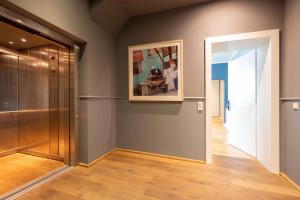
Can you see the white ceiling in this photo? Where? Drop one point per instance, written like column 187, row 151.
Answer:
column 113, row 14
column 223, row 57
column 224, row 52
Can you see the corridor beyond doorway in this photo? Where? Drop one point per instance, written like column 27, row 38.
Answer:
column 220, row 141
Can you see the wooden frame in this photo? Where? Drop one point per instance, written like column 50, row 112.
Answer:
column 274, row 36
column 145, row 88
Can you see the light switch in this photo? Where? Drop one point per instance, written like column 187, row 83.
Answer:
column 200, row 105
column 296, row 106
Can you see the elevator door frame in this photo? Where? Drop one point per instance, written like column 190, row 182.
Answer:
column 11, row 14
column 62, row 106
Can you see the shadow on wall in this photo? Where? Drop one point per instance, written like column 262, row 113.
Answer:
column 155, row 108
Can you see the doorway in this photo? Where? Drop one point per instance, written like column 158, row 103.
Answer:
column 250, row 126
column 34, row 108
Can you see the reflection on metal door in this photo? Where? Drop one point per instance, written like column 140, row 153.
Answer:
column 34, row 101
column 74, row 105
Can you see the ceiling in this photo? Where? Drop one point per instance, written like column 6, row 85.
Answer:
column 223, row 57
column 223, row 52
column 10, row 33
column 113, row 14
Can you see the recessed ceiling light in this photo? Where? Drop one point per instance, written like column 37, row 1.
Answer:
column 23, row 39
column 10, row 42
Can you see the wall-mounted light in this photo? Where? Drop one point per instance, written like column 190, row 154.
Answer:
column 23, row 40
column 20, row 21
column 10, row 42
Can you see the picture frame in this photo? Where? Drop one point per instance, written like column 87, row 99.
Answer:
column 155, row 71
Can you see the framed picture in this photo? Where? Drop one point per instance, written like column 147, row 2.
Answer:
column 156, row 71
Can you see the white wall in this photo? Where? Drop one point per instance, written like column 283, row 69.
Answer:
column 222, row 99
column 241, row 119
column 215, row 86
column 264, row 128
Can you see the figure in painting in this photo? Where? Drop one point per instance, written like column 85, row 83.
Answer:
column 171, row 75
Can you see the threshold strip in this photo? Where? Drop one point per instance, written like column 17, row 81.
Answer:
column 21, row 190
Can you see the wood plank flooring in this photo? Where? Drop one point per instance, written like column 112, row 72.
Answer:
column 125, row 175
column 220, row 141
column 18, row 169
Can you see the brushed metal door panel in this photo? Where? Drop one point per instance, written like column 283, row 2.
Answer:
column 64, row 87
column 8, row 102
column 35, row 102
column 53, row 100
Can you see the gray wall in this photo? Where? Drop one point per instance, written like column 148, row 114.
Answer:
column 168, row 128
column 290, row 144
column 97, row 136
column 178, row 129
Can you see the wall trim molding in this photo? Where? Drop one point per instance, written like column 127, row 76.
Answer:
column 161, row 155
column 97, row 160
column 290, row 180
column 87, row 97
column 120, row 97
column 290, row 99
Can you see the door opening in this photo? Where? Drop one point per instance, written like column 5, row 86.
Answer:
column 248, row 64
column 34, row 107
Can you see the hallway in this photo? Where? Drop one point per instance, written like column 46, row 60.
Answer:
column 220, row 141
column 125, row 175
column 157, row 100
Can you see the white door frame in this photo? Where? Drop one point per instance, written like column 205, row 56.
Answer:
column 274, row 36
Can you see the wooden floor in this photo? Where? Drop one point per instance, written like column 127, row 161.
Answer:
column 220, row 141
column 124, row 175
column 18, row 169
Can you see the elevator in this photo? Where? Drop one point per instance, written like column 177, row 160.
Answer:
column 35, row 101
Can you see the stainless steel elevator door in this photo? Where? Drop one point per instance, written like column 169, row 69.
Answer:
column 35, row 102
column 64, row 102
column 8, row 102
column 44, row 101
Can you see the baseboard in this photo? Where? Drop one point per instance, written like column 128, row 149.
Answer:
column 98, row 159
column 291, row 181
column 161, row 155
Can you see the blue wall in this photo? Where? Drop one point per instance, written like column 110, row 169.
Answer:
column 220, row 72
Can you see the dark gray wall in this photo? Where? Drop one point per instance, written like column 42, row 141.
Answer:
column 96, row 70
column 290, row 141
column 290, row 144
column 291, row 49
column 168, row 128
column 178, row 129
